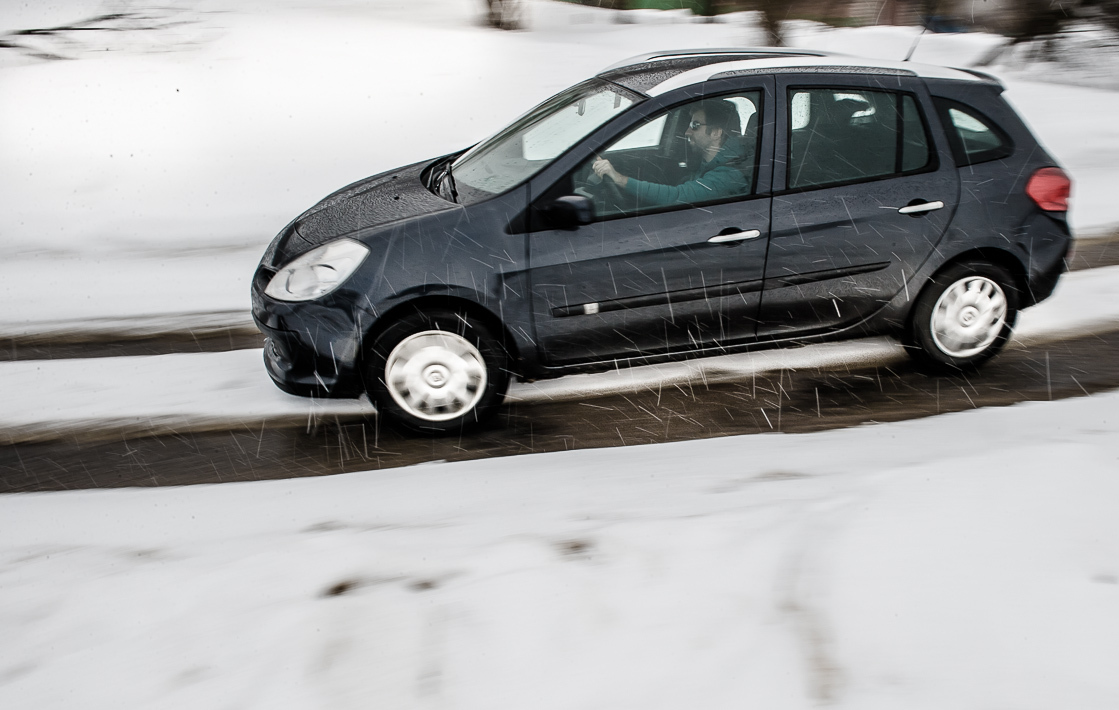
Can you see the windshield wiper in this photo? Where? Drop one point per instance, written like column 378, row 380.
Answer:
column 445, row 184
column 451, row 179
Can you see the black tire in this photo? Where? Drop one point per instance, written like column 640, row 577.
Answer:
column 437, row 372
column 963, row 317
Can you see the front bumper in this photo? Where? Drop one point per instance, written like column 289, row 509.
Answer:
column 305, row 374
column 312, row 349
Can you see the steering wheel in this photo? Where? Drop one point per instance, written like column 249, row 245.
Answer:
column 604, row 191
column 620, row 198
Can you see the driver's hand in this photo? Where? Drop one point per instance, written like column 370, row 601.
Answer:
column 603, row 168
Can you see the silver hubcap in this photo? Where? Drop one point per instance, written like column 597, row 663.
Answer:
column 435, row 375
column 968, row 316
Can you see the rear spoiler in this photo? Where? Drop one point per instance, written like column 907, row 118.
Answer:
column 989, row 78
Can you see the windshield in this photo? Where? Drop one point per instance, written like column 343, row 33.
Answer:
column 540, row 136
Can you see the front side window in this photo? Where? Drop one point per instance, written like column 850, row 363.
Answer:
column 536, row 139
column 698, row 153
column 848, row 135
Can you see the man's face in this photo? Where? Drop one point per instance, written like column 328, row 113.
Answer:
column 699, row 133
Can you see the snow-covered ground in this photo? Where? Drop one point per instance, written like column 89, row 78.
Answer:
column 965, row 560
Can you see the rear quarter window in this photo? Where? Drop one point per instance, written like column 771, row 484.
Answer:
column 975, row 138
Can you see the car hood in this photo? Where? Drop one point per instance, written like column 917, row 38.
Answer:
column 374, row 202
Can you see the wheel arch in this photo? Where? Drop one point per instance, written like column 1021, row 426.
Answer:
column 994, row 255
column 447, row 302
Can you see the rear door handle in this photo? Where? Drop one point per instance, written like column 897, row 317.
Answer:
column 736, row 236
column 922, row 207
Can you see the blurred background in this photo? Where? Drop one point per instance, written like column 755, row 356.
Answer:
column 1020, row 20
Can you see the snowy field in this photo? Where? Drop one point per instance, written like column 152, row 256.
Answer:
column 964, row 560
column 143, row 180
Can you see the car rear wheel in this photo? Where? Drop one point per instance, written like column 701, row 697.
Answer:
column 964, row 317
column 437, row 372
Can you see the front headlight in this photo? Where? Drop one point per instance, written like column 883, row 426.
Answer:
column 318, row 272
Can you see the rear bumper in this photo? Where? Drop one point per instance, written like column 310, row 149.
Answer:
column 1046, row 241
column 1043, row 284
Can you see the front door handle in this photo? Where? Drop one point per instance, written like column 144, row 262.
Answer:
column 736, row 236
column 921, row 207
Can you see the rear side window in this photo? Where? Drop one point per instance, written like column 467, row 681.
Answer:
column 974, row 137
column 847, row 135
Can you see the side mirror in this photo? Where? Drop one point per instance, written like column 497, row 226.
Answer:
column 571, row 211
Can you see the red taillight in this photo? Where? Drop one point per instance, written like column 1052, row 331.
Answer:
column 1049, row 188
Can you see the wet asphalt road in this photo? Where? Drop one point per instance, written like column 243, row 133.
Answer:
column 801, row 401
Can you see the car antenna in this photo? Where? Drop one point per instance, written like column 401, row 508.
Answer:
column 913, row 47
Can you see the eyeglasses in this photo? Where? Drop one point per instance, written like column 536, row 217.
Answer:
column 694, row 125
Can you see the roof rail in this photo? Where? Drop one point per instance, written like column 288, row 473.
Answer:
column 739, row 52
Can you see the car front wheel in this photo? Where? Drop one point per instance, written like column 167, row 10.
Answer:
column 964, row 317
column 437, row 372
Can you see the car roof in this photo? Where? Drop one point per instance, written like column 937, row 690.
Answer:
column 656, row 73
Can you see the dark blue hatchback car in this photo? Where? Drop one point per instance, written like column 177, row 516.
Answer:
column 676, row 205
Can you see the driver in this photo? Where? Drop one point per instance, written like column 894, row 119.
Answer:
column 713, row 131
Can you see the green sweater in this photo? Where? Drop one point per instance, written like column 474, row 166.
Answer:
column 723, row 176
